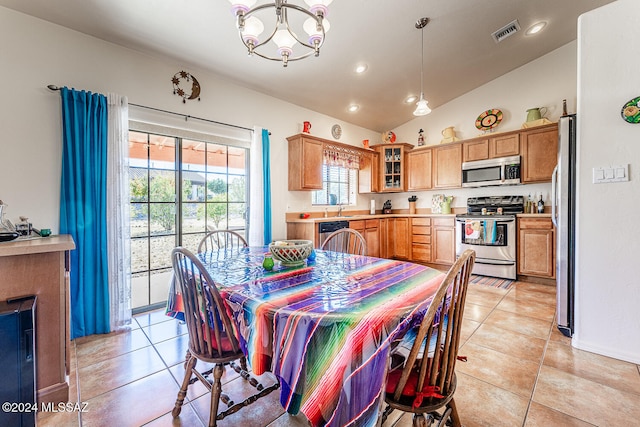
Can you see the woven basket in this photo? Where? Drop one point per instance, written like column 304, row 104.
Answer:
column 291, row 252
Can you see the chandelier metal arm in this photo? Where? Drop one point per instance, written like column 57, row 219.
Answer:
column 281, row 12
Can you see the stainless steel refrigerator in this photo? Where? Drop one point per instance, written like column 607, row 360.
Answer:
column 563, row 212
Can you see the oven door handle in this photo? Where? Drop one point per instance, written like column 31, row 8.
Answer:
column 499, row 221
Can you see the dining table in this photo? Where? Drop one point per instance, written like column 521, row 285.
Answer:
column 325, row 328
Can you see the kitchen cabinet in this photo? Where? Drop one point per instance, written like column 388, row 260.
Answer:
column 305, row 162
column 419, row 169
column 421, row 239
column 392, row 166
column 447, row 166
column 370, row 230
column 503, row 145
column 444, row 240
column 536, row 247
column 398, row 238
column 369, row 173
column 539, row 147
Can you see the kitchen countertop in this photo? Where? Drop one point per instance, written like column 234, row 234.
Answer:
column 363, row 217
column 535, row 215
column 57, row 243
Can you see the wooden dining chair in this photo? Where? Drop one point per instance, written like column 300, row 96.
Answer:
column 346, row 240
column 426, row 381
column 213, row 337
column 221, row 239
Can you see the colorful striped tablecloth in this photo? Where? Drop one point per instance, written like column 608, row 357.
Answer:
column 324, row 329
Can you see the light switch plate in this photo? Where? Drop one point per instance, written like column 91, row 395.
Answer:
column 619, row 173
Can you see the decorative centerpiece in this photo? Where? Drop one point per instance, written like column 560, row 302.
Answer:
column 291, row 253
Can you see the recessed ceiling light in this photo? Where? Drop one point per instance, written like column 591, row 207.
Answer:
column 411, row 99
column 535, row 28
column 354, row 107
column 361, row 68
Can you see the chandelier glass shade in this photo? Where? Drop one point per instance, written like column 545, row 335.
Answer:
column 422, row 109
column 287, row 20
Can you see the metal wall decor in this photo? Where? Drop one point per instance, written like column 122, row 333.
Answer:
column 186, row 86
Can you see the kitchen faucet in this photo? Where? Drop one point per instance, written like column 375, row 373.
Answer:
column 340, row 207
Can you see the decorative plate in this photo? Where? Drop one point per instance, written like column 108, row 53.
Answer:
column 336, row 131
column 388, row 137
column 489, row 119
column 631, row 111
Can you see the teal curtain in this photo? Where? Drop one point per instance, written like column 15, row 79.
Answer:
column 83, row 207
column 266, row 180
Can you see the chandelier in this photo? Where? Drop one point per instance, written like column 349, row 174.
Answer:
column 290, row 46
column 422, row 109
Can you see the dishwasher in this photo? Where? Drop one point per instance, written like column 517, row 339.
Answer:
column 326, row 228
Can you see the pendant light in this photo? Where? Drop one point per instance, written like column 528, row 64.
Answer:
column 422, row 109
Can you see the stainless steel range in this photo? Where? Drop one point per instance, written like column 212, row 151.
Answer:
column 489, row 228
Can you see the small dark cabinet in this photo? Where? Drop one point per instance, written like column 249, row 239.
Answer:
column 17, row 358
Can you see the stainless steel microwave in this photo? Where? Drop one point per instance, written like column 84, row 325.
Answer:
column 500, row 171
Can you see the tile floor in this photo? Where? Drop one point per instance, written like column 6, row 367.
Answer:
column 520, row 372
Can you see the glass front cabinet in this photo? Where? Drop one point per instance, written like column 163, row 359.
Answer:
column 393, row 166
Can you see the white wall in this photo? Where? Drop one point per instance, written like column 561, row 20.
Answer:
column 36, row 53
column 545, row 81
column 608, row 284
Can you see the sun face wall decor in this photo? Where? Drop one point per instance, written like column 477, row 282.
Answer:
column 186, row 86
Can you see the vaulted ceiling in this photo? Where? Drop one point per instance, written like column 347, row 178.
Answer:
column 460, row 53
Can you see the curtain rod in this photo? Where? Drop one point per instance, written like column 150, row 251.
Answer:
column 186, row 116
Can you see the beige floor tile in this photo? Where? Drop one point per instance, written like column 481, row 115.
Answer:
column 58, row 419
column 586, row 400
column 112, row 373
column 509, row 342
column 485, row 295
column 163, row 331
column 134, row 404
column 511, row 373
column 476, row 312
column 468, row 329
column 541, row 416
column 483, row 404
column 97, row 348
column 535, row 287
column 558, row 337
column 288, row 420
column 601, row 369
column 519, row 323
column 187, row 418
column 528, row 306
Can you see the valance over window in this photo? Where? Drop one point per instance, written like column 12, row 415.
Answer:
column 341, row 156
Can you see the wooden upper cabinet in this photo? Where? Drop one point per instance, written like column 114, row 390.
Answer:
column 498, row 146
column 475, row 150
column 539, row 148
column 419, row 169
column 305, row 163
column 447, row 166
column 504, row 146
column 369, row 174
column 392, row 166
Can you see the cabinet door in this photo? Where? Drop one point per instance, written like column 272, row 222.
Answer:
column 536, row 247
column 305, row 163
column 444, row 242
column 398, row 238
column 504, row 146
column 475, row 150
column 419, row 170
column 447, row 166
column 372, row 237
column 369, row 173
column 539, row 154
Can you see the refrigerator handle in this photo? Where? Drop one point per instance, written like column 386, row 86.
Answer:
column 554, row 183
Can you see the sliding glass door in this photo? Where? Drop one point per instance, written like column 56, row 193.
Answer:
column 180, row 189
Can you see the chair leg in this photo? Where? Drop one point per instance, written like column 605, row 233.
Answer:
column 189, row 364
column 455, row 418
column 216, row 390
column 419, row 420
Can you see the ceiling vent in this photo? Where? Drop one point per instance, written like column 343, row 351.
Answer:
column 508, row 30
